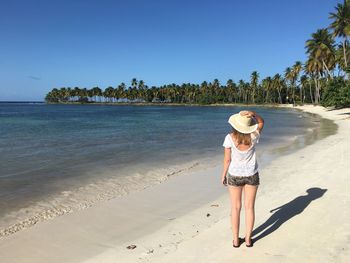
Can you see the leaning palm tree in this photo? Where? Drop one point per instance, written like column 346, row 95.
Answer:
column 342, row 50
column 341, row 24
column 321, row 47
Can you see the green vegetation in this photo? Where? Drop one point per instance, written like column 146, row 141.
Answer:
column 337, row 93
column 322, row 79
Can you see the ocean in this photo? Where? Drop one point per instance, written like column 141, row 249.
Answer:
column 55, row 159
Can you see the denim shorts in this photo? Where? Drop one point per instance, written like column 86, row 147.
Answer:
column 242, row 180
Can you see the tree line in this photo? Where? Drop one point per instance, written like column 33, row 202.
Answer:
column 322, row 79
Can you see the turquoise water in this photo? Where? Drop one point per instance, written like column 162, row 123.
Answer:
column 49, row 149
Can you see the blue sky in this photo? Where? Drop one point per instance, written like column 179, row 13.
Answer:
column 48, row 44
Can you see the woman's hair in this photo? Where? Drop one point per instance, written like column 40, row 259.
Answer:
column 242, row 138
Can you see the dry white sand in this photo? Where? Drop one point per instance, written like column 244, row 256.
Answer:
column 186, row 219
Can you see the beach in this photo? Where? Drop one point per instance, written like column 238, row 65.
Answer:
column 187, row 218
column 58, row 159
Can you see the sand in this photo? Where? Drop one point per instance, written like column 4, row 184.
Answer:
column 186, row 219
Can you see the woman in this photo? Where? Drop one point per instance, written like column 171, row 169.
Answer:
column 241, row 165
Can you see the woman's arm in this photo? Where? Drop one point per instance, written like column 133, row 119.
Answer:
column 227, row 161
column 260, row 121
column 258, row 118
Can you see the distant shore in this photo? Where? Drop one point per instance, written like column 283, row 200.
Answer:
column 276, row 105
column 272, row 105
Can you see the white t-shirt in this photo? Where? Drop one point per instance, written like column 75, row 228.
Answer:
column 243, row 163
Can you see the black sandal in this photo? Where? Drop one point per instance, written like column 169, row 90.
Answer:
column 251, row 243
column 239, row 243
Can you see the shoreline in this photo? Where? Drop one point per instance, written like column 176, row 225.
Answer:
column 268, row 105
column 174, row 244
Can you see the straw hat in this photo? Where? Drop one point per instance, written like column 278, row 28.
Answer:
column 243, row 124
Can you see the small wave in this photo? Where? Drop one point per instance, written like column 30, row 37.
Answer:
column 72, row 200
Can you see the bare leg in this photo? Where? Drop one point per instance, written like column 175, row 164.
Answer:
column 249, row 202
column 236, row 203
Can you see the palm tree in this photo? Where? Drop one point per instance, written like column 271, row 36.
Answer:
column 203, row 90
column 214, row 90
column 241, row 91
column 231, row 90
column 108, row 93
column 90, row 94
column 121, row 90
column 76, row 92
column 141, row 89
column 321, row 47
column 83, row 93
column 303, row 82
column 341, row 24
column 267, row 85
column 288, row 76
column 339, row 56
column 254, row 78
column 277, row 84
column 96, row 92
column 134, row 83
column 314, row 68
column 321, row 51
column 296, row 71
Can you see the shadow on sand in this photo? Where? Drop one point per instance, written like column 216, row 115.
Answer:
column 286, row 212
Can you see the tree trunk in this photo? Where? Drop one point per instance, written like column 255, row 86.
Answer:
column 253, row 95
column 279, row 95
column 328, row 72
column 344, row 53
column 315, row 91
column 312, row 100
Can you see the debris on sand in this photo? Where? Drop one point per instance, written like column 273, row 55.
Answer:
column 131, row 247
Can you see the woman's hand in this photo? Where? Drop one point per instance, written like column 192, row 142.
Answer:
column 250, row 114
column 224, row 180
